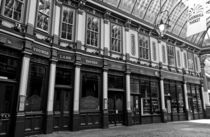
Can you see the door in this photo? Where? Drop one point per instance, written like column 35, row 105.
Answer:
column 115, row 107
column 168, row 108
column 6, row 108
column 62, row 107
column 135, row 108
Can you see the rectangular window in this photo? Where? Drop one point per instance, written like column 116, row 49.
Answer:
column 93, row 30
column 196, row 63
column 44, row 14
column 133, row 45
column 178, row 59
column 143, row 47
column 185, row 60
column 67, row 23
column 116, row 37
column 115, row 82
column 90, row 89
column 154, row 51
column 13, row 9
column 190, row 59
column 171, row 55
column 163, row 54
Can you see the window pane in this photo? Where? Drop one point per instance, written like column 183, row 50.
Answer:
column 115, row 82
column 92, row 37
column 133, row 45
column 13, row 9
column 143, row 47
column 67, row 23
column 116, row 38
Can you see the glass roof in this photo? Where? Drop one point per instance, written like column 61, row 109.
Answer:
column 148, row 11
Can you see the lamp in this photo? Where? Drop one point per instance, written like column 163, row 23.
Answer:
column 162, row 26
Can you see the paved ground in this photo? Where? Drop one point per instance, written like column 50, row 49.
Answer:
column 196, row 128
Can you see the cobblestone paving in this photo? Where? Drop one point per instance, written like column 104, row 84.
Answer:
column 197, row 128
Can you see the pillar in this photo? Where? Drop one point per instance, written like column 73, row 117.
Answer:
column 128, row 100
column 30, row 17
column 188, row 113
column 50, row 98
column 105, row 98
column 20, row 117
column 163, row 106
column 75, row 121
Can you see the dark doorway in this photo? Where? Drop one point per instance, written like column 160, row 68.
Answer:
column 115, row 107
column 62, row 107
column 6, row 108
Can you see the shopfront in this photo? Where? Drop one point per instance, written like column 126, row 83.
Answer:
column 10, row 64
column 116, row 98
column 195, row 101
column 63, row 96
column 174, row 100
column 145, row 100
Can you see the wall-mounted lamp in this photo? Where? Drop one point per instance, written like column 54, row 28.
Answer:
column 162, row 26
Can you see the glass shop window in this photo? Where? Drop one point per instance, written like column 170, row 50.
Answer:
column 144, row 51
column 135, row 86
column 116, row 38
column 90, row 93
column 194, row 99
column 63, row 77
column 155, row 97
column 200, row 108
column 93, row 31
column 174, row 105
column 44, row 14
column 180, row 98
column 115, row 82
column 13, row 9
column 171, row 55
column 146, row 96
column 8, row 67
column 36, row 87
column 67, row 28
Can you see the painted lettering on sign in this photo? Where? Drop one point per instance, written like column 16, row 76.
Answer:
column 65, row 57
column 91, row 62
column 41, row 51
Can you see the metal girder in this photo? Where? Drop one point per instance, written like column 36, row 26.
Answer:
column 179, row 17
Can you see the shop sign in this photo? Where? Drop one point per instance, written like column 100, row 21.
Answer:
column 40, row 51
column 90, row 61
column 65, row 56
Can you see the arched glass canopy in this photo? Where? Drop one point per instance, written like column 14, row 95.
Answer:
column 148, row 10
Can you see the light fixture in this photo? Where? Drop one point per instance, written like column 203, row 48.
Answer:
column 162, row 26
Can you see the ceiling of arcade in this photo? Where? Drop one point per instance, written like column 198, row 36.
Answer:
column 147, row 10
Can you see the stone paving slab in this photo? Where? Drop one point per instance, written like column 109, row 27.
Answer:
column 197, row 128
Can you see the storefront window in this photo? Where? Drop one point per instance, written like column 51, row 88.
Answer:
column 93, row 30
column 44, row 14
column 155, row 97
column 116, row 38
column 146, row 96
column 180, row 98
column 63, row 77
column 115, row 82
column 90, row 93
column 67, row 23
column 13, row 9
column 135, row 86
column 36, row 88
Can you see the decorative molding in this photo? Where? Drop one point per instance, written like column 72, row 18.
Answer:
column 107, row 16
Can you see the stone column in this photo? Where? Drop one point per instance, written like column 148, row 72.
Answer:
column 20, row 118
column 105, row 96
column 128, row 100
column 75, row 121
column 163, row 106
column 50, row 99
column 188, row 113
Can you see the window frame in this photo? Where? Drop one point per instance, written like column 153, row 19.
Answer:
column 22, row 11
column 121, row 38
column 170, row 55
column 133, row 45
column 73, row 26
column 144, row 48
column 50, row 18
column 99, row 30
column 164, row 54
